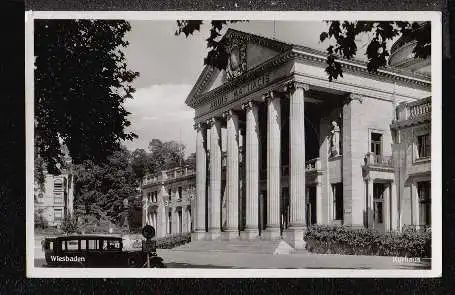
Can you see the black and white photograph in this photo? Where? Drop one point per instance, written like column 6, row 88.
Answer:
column 256, row 144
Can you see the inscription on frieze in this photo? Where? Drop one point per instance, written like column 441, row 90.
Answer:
column 244, row 89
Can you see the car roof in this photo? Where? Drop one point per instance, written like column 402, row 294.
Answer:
column 79, row 237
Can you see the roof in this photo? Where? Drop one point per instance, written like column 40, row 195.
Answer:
column 209, row 73
column 88, row 236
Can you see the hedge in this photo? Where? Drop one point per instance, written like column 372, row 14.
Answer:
column 172, row 241
column 330, row 239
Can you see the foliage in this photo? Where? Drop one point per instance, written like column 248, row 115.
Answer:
column 90, row 224
column 345, row 33
column 172, row 241
column 350, row 241
column 191, row 161
column 140, row 163
column 39, row 220
column 166, row 155
column 69, row 224
column 81, row 82
column 100, row 189
column 217, row 55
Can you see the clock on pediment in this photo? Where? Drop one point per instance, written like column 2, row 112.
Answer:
column 236, row 58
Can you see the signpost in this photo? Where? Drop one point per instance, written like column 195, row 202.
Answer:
column 148, row 245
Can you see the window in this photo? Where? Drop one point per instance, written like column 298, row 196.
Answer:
column 337, row 193
column 180, row 192
column 72, row 245
column 58, row 191
column 376, row 143
column 423, row 146
column 169, row 192
column 111, row 245
column 58, row 214
column 169, row 218
column 424, row 193
column 155, row 196
column 83, row 244
column 93, row 244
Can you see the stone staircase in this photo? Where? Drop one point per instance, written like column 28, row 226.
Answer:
column 238, row 246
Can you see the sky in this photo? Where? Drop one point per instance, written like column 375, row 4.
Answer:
column 169, row 65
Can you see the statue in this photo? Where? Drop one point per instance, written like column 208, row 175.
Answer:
column 335, row 140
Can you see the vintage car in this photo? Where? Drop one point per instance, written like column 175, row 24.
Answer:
column 95, row 251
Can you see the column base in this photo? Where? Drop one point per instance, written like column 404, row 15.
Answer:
column 249, row 234
column 214, row 234
column 198, row 236
column 230, row 235
column 294, row 237
column 272, row 234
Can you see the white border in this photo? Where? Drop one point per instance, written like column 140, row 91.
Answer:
column 436, row 155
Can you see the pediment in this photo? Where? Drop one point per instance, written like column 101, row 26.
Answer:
column 246, row 51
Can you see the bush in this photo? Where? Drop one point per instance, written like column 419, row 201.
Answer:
column 327, row 239
column 69, row 224
column 172, row 241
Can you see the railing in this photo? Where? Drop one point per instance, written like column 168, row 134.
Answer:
column 378, row 160
column 310, row 166
column 168, row 175
column 407, row 111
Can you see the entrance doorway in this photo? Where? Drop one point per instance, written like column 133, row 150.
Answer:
column 378, row 206
column 284, row 210
column 311, row 205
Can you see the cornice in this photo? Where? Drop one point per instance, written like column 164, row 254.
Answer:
column 296, row 52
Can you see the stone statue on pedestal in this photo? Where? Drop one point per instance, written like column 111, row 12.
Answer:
column 334, row 140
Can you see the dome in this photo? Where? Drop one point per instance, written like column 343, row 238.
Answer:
column 401, row 56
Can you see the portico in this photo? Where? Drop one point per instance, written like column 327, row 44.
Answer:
column 275, row 138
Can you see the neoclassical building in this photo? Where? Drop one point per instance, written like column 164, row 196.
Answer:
column 279, row 147
column 167, row 201
column 54, row 198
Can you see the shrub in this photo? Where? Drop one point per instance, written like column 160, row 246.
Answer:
column 328, row 239
column 69, row 224
column 172, row 241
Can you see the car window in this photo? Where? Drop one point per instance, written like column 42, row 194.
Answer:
column 111, row 245
column 93, row 244
column 83, row 244
column 72, row 245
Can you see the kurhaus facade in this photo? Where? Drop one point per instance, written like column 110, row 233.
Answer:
column 167, row 201
column 279, row 147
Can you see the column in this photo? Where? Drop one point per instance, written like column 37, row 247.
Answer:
column 232, row 179
column 394, row 206
column 369, row 207
column 201, row 153
column 144, row 209
column 354, row 147
column 319, row 212
column 252, row 171
column 386, row 209
column 415, row 204
column 297, row 165
column 272, row 231
column 215, row 178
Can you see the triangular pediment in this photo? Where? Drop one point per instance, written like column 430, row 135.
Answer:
column 246, row 51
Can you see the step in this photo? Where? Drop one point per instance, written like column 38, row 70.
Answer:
column 238, row 246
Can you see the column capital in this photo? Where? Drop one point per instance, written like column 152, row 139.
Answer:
column 292, row 85
column 354, row 96
column 199, row 126
column 210, row 122
column 271, row 95
column 228, row 114
column 249, row 105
